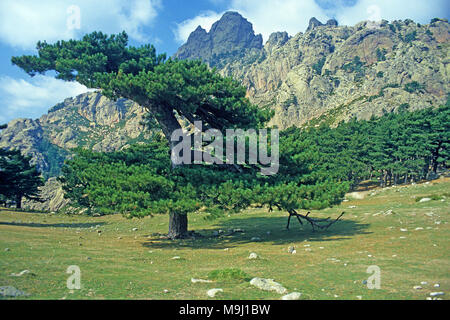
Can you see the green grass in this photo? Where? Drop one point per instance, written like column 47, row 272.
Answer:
column 434, row 197
column 124, row 264
column 230, row 274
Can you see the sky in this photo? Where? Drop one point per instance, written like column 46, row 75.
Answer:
column 164, row 23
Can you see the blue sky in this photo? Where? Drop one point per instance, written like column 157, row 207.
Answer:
column 164, row 23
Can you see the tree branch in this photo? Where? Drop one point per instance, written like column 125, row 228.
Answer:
column 315, row 223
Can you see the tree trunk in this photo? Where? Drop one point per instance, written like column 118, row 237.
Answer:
column 178, row 226
column 19, row 201
column 435, row 158
column 165, row 116
column 168, row 122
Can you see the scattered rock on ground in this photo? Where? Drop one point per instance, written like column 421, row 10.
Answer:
column 356, row 195
column 253, row 256
column 21, row 273
column 212, row 292
column 436, row 294
column 425, row 200
column 200, row 281
column 292, row 296
column 268, row 285
column 9, row 291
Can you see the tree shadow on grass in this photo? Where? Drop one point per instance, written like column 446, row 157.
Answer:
column 268, row 229
column 53, row 225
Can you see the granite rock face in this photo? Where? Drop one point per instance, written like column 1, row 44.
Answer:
column 334, row 73
column 313, row 23
column 90, row 121
column 229, row 37
column 52, row 196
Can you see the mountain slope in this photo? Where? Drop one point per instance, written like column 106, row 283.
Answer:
column 335, row 73
column 230, row 37
column 89, row 120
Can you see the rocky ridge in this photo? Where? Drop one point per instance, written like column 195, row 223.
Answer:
column 230, row 37
column 333, row 73
column 89, row 120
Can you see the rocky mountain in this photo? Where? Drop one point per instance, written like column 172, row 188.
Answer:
column 230, row 37
column 89, row 120
column 332, row 73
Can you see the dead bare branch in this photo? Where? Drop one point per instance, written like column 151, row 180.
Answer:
column 315, row 223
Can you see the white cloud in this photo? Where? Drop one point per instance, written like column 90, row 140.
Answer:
column 417, row 10
column 204, row 19
column 23, row 23
column 25, row 99
column 293, row 16
column 268, row 16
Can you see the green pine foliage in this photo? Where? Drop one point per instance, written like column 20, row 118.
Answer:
column 140, row 181
column 18, row 178
column 317, row 67
column 317, row 167
column 356, row 66
column 410, row 37
column 413, row 86
column 381, row 54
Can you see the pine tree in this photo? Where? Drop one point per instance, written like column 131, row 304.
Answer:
column 18, row 178
column 166, row 88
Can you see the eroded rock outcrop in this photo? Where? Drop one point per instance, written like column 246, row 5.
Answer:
column 89, row 120
column 229, row 37
column 333, row 73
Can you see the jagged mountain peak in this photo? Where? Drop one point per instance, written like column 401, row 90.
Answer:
column 229, row 37
column 314, row 22
column 334, row 73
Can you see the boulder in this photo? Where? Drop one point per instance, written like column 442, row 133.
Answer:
column 268, row 285
column 292, row 296
column 213, row 292
column 9, row 291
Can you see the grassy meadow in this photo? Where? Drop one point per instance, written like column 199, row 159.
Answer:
column 409, row 240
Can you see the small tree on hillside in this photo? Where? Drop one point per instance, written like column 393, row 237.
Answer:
column 18, row 178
